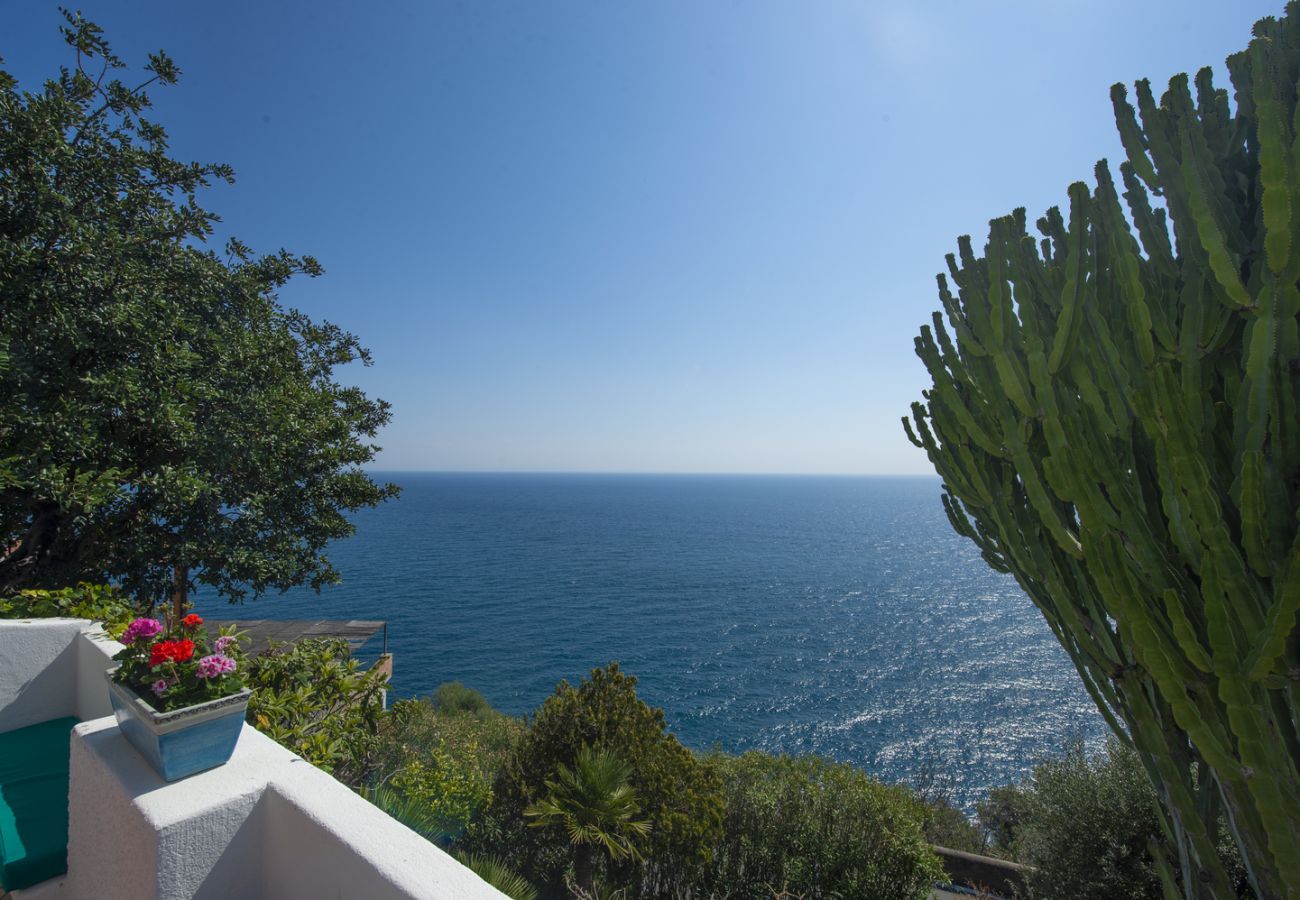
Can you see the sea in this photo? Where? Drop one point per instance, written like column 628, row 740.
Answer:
column 840, row 616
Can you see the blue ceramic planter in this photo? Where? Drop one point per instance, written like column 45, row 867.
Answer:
column 182, row 742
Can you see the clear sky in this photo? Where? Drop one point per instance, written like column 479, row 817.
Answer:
column 656, row 236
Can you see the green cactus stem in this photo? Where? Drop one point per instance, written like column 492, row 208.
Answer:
column 1116, row 418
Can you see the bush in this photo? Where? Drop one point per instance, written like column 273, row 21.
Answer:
column 97, row 602
column 679, row 795
column 814, row 829
column 445, row 762
column 1085, row 824
column 944, row 824
column 947, row 826
column 454, row 697
column 314, row 698
column 1088, row 825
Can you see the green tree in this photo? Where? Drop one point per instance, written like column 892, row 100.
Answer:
column 453, row 697
column 164, row 417
column 597, row 808
column 1115, row 419
column 680, row 797
column 1087, row 826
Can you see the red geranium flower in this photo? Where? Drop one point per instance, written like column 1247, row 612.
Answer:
column 171, row 651
column 192, row 621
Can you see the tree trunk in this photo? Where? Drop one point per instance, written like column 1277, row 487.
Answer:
column 583, row 868
column 180, row 592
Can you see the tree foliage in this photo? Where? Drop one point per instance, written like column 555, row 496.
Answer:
column 679, row 796
column 1088, row 826
column 453, row 697
column 817, row 829
column 98, row 602
column 314, row 698
column 444, row 759
column 596, row 807
column 161, row 406
column 1114, row 414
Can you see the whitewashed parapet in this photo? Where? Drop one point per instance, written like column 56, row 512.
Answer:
column 266, row 824
column 51, row 668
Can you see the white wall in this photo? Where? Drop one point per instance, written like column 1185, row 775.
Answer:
column 325, row 841
column 51, row 668
column 266, row 824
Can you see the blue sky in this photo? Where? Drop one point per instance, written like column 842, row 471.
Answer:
column 662, row 236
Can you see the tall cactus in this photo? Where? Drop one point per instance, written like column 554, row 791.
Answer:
column 1115, row 418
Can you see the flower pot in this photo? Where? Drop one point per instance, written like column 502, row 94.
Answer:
column 184, row 741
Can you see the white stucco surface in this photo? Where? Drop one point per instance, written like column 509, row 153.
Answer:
column 130, row 834
column 266, row 824
column 326, row 841
column 95, row 651
column 51, row 668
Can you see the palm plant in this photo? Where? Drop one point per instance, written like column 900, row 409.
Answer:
column 411, row 812
column 426, row 822
column 496, row 873
column 597, row 807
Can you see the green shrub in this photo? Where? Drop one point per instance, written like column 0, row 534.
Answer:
column 817, row 829
column 1088, row 824
column 1000, row 815
column 454, row 697
column 410, row 811
column 97, row 602
column 947, row 826
column 679, row 795
column 445, row 762
column 427, row 822
column 314, row 698
column 944, row 824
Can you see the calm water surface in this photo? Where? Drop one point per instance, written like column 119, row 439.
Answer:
column 838, row 616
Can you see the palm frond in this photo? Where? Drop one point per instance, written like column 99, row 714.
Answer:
column 496, row 873
column 595, row 804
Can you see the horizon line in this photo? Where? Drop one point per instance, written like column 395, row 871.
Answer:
column 403, row 471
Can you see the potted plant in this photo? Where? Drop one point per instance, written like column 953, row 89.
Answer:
column 178, row 697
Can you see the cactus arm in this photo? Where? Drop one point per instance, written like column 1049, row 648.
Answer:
column 1280, row 621
column 1071, row 294
column 1135, row 144
column 1275, row 176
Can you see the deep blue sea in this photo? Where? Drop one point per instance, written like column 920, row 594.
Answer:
column 834, row 615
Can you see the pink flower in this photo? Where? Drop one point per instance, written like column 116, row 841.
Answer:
column 221, row 643
column 215, row 666
column 141, row 629
column 160, row 686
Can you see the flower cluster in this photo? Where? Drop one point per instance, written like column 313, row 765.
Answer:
column 215, row 666
column 175, row 665
column 171, row 651
column 141, row 630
